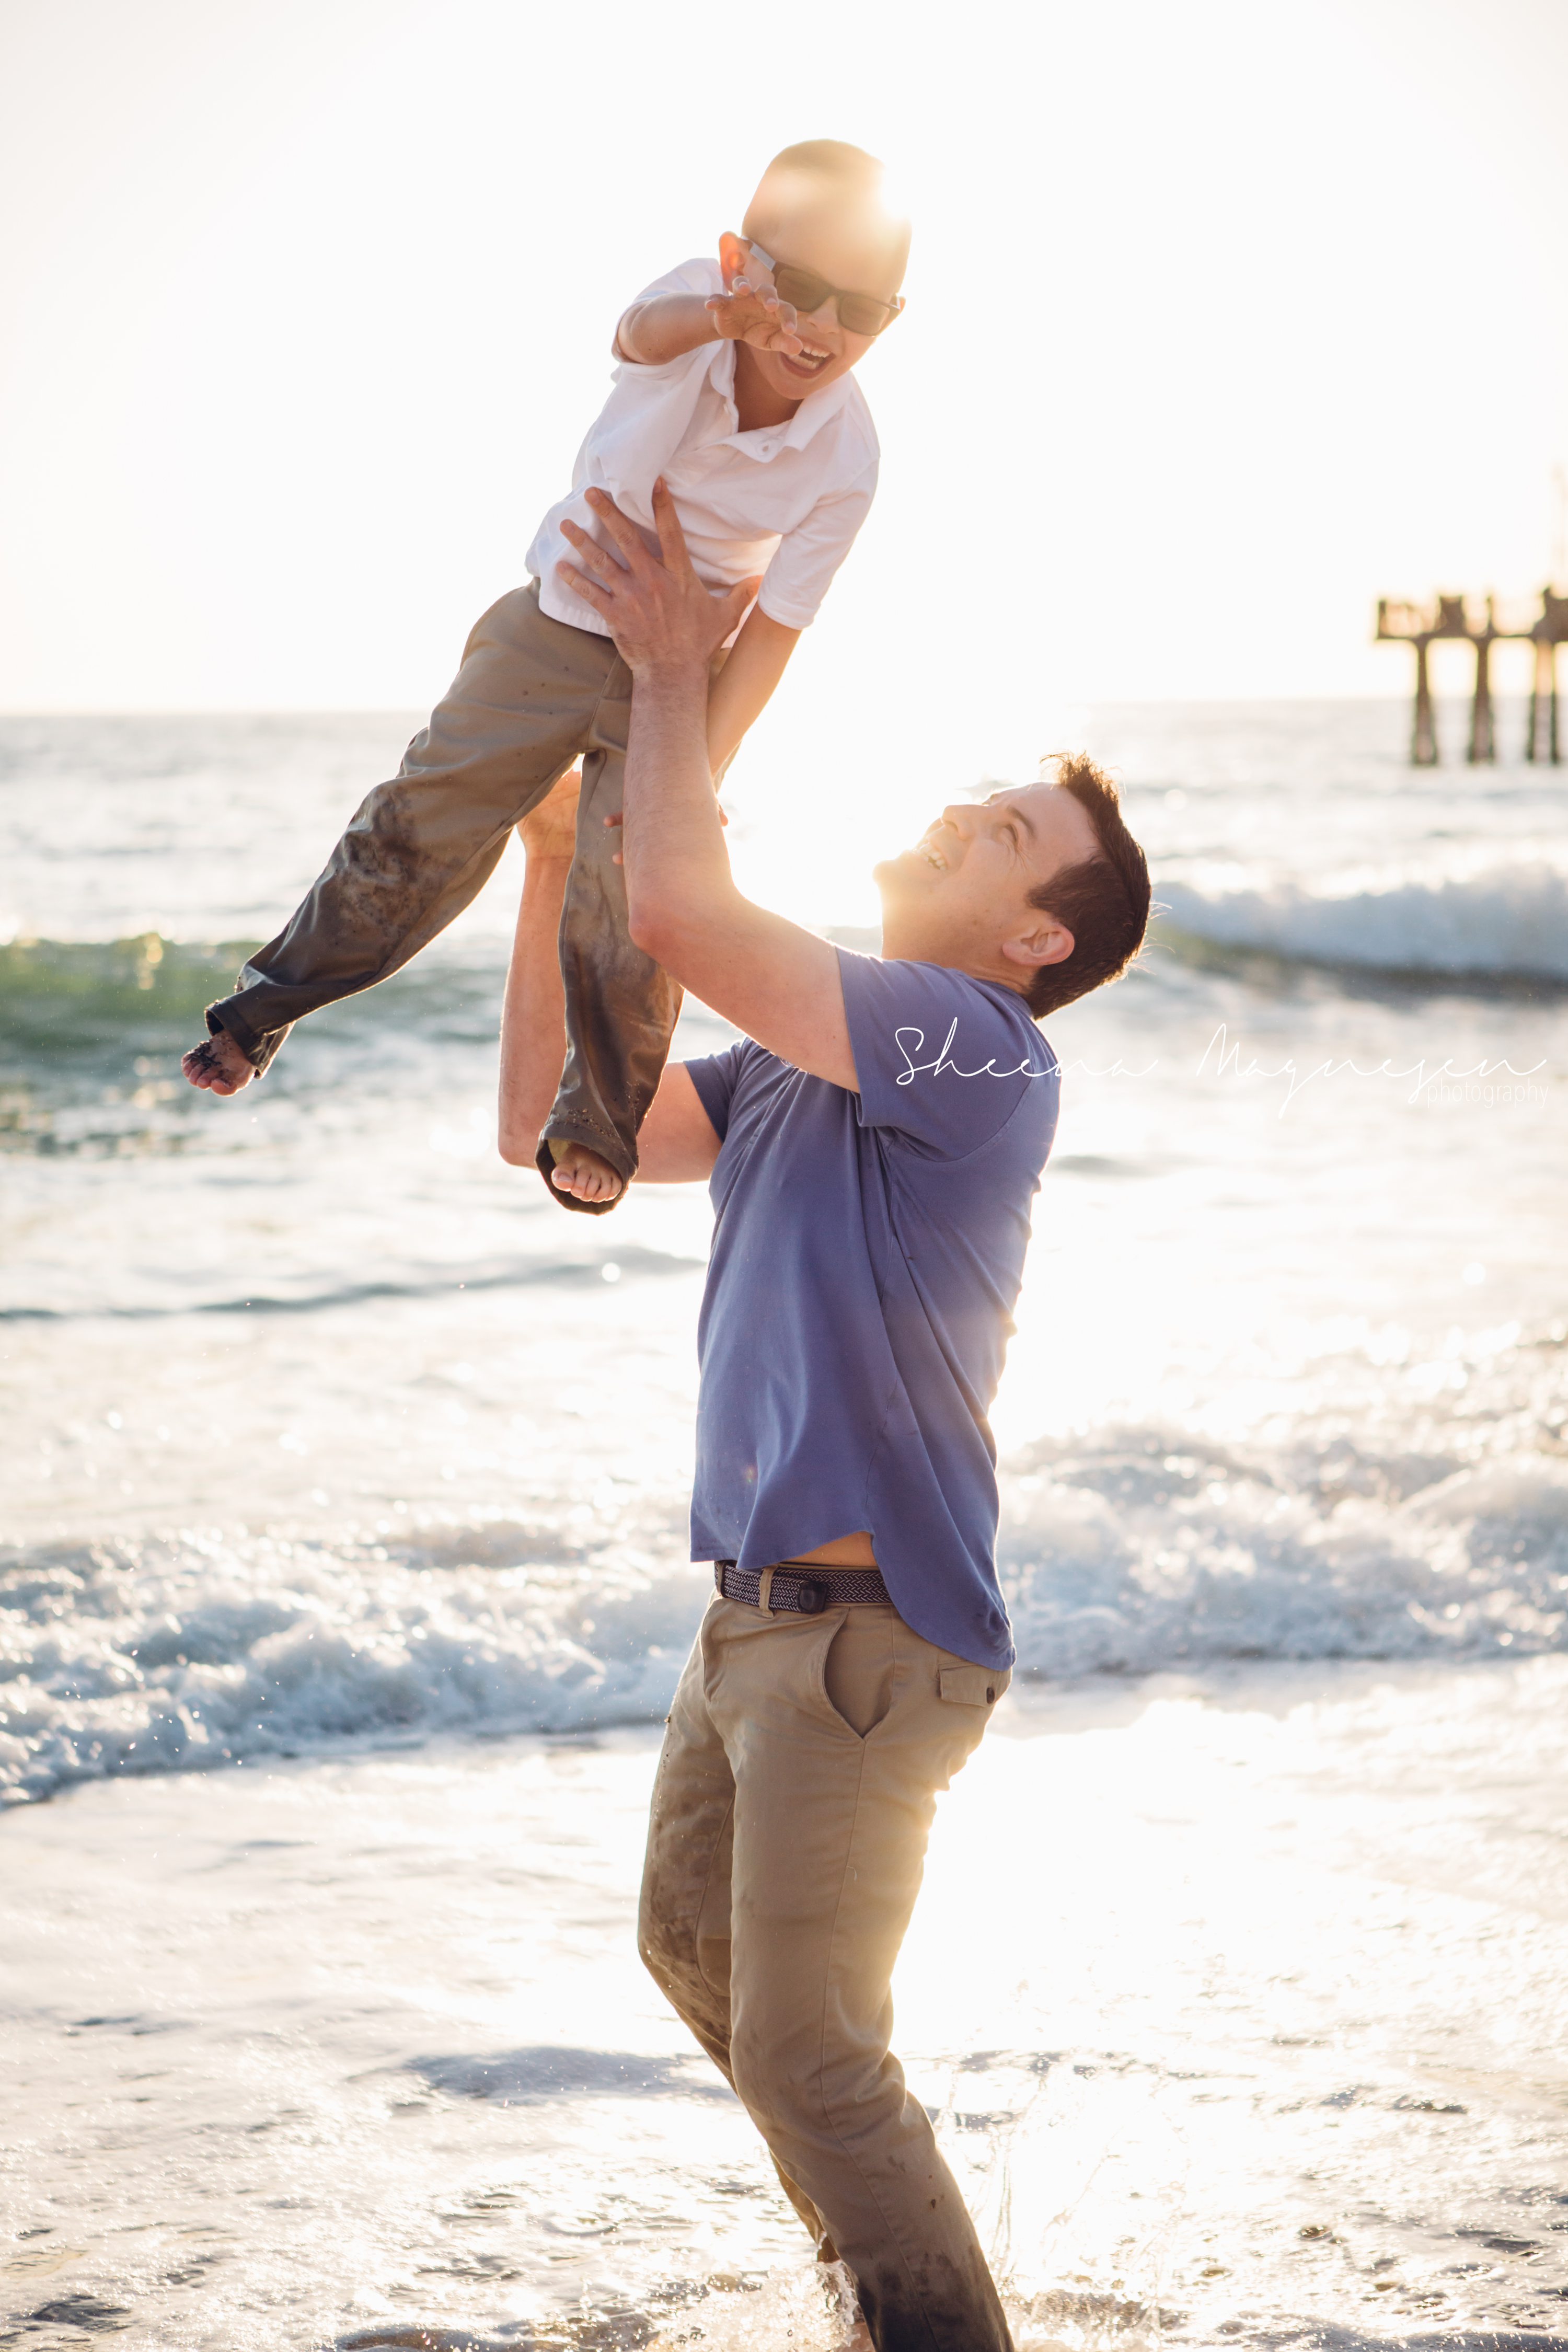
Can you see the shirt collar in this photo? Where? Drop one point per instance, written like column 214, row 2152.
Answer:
column 818, row 409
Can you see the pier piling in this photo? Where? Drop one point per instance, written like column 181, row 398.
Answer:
column 1544, row 741
column 1423, row 736
column 1483, row 746
column 1455, row 618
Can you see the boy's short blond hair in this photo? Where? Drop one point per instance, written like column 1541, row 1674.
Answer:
column 825, row 174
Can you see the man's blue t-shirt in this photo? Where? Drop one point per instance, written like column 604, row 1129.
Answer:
column 868, row 1251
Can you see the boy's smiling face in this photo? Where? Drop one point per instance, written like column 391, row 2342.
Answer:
column 856, row 245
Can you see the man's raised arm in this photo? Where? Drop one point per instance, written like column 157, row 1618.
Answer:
column 778, row 982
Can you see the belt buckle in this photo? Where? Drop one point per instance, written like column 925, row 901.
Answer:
column 811, row 1596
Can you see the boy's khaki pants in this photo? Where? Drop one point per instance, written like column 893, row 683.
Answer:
column 795, row 1797
column 531, row 696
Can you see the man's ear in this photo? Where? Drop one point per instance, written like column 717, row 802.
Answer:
column 1046, row 942
column 734, row 255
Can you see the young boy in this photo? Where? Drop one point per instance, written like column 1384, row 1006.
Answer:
column 734, row 385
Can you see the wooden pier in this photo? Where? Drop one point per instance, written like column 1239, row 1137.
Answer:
column 1463, row 618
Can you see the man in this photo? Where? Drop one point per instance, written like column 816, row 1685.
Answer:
column 874, row 1144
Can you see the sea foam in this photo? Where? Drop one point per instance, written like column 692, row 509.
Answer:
column 1138, row 1549
column 1509, row 920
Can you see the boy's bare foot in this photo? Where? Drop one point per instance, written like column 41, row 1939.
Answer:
column 583, row 1174
column 218, row 1064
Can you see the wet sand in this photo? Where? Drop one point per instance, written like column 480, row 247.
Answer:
column 1241, row 2000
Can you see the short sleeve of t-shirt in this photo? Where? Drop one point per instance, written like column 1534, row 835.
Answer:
column 803, row 569
column 942, row 1059
column 715, row 1077
column 699, row 277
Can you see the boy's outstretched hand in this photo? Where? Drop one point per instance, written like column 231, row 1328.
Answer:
column 753, row 313
column 658, row 612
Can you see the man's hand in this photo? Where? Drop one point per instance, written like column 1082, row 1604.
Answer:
column 550, row 828
column 780, row 985
column 657, row 610
column 750, row 312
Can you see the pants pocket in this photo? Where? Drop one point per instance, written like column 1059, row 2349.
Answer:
column 857, row 1671
column 973, row 1685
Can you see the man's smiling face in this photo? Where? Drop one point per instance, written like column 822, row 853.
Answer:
column 962, row 896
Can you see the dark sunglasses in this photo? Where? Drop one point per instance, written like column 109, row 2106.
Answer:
column 862, row 314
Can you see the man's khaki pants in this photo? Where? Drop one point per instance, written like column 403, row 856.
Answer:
column 795, row 1798
column 531, row 696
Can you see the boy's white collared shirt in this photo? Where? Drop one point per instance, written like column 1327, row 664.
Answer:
column 786, row 501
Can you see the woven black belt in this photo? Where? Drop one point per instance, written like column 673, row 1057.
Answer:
column 802, row 1586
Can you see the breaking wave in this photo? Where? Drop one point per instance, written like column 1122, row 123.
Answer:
column 1509, row 922
column 80, row 998
column 183, row 1651
column 75, row 993
column 1138, row 1550
column 1153, row 1550
column 57, row 990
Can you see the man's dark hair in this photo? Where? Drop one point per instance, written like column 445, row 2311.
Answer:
column 1103, row 901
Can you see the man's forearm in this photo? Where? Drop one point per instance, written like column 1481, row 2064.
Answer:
column 533, row 1015
column 664, row 328
column 779, row 983
column 677, row 867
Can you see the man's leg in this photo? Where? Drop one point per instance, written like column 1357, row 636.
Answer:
column 683, row 1927
column 520, row 709
column 683, row 1922
column 830, row 1825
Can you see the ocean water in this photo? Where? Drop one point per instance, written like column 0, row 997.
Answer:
column 344, row 1488
column 319, row 1419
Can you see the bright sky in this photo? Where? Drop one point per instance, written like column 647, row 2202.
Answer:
column 1223, row 319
